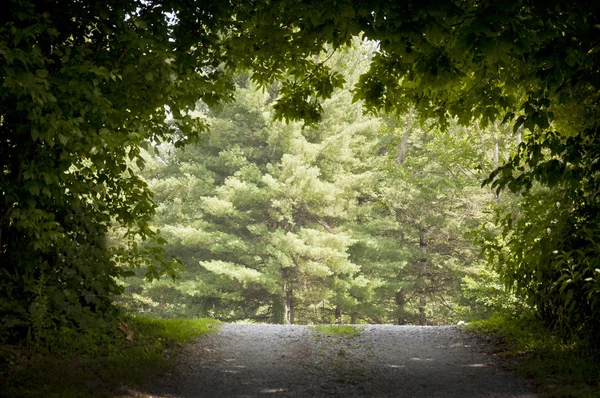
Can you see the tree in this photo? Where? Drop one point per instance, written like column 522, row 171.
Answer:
column 84, row 87
column 97, row 80
column 413, row 231
column 256, row 212
column 528, row 62
column 265, row 216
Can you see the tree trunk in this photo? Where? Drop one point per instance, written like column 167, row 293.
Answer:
column 288, row 303
column 278, row 310
column 401, row 153
column 400, row 301
column 422, row 285
column 338, row 315
column 353, row 318
column 288, row 296
column 496, row 152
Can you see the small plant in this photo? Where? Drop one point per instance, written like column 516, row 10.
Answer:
column 337, row 330
column 334, row 344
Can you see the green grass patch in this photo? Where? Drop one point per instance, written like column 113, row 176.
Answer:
column 557, row 366
column 336, row 330
column 336, row 345
column 98, row 366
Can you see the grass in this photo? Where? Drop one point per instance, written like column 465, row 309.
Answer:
column 118, row 366
column 335, row 344
column 336, row 330
column 557, row 367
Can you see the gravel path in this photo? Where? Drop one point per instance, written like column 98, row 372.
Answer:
column 384, row 361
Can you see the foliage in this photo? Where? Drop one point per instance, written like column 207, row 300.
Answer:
column 531, row 63
column 486, row 295
column 85, row 86
column 559, row 367
column 435, row 198
column 262, row 206
column 546, row 249
column 101, row 365
column 424, row 202
column 255, row 213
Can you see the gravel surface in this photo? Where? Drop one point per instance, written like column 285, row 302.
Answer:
column 384, row 361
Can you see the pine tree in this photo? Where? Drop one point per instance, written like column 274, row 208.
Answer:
column 256, row 213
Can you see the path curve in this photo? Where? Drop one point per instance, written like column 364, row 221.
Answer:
column 384, row 361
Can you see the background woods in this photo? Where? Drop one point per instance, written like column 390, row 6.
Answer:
column 287, row 203
column 363, row 218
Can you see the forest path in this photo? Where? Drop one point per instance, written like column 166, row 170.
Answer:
column 384, row 361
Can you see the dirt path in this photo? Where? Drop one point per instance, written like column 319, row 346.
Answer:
column 384, row 361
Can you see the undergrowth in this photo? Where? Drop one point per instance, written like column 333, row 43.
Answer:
column 337, row 330
column 336, row 343
column 89, row 364
column 558, row 366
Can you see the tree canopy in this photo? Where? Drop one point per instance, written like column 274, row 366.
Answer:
column 360, row 219
column 85, row 85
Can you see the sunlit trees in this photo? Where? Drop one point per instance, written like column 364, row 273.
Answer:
column 416, row 225
column 85, row 85
column 363, row 219
column 255, row 212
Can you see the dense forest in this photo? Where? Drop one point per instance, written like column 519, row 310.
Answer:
column 361, row 218
column 298, row 162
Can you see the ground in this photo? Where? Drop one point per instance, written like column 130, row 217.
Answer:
column 295, row 361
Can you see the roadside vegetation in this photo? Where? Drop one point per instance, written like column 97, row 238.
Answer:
column 559, row 365
column 95, row 364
